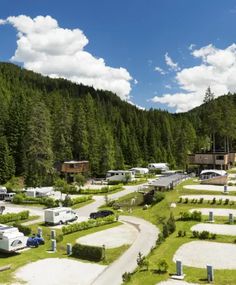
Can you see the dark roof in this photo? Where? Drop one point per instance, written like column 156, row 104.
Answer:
column 167, row 180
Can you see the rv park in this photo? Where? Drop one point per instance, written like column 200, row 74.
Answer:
column 165, row 228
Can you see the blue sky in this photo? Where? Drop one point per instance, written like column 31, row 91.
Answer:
column 139, row 36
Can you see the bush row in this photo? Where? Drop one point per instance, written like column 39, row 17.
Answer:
column 13, row 217
column 88, row 252
column 105, row 189
column 201, row 200
column 23, row 229
column 87, row 224
column 73, row 201
column 194, row 216
column 23, row 199
column 204, row 235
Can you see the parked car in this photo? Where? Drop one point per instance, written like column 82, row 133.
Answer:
column 101, row 214
column 34, row 241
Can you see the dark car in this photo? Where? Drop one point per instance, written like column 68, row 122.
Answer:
column 101, row 214
column 34, row 241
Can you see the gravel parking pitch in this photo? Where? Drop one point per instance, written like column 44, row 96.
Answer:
column 210, row 197
column 200, row 253
column 209, row 187
column 114, row 237
column 56, row 271
column 228, row 230
column 216, row 211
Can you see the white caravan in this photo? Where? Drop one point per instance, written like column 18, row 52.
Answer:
column 11, row 239
column 59, row 215
column 140, row 170
column 120, row 175
column 158, row 166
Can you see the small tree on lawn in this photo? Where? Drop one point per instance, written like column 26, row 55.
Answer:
column 171, row 224
column 162, row 266
column 79, row 180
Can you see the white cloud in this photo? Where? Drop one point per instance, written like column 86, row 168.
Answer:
column 217, row 70
column 160, row 70
column 135, row 81
column 2, row 22
column 168, row 86
column 44, row 47
column 172, row 65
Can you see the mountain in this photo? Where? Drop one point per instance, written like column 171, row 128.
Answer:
column 44, row 121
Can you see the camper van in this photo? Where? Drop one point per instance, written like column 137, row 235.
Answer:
column 60, row 215
column 9, row 197
column 158, row 166
column 11, row 239
column 120, row 175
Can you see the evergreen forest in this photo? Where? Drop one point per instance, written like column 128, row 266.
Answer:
column 45, row 121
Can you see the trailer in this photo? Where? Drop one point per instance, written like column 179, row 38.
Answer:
column 59, row 215
column 120, row 175
column 11, row 239
column 3, row 191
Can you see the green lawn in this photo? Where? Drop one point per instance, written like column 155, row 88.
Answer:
column 34, row 254
column 159, row 213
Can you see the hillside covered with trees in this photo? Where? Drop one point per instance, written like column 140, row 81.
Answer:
column 44, row 121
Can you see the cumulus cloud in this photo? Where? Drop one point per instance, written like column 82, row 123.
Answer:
column 160, row 70
column 172, row 65
column 46, row 48
column 191, row 46
column 217, row 70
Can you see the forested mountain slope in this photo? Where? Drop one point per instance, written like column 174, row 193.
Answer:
column 46, row 120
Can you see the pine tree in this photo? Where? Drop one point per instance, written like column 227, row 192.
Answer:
column 7, row 167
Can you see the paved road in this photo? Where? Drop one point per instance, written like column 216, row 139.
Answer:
column 99, row 200
column 146, row 239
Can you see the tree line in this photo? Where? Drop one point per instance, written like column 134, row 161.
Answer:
column 45, row 121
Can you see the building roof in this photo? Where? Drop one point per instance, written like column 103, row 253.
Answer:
column 219, row 172
column 167, row 180
column 75, row 161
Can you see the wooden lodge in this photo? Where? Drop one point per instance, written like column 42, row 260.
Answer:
column 71, row 168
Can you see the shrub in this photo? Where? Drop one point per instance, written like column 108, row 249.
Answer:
column 162, row 266
column 186, row 201
column 88, row 252
column 13, row 217
column 158, row 197
column 70, row 202
column 180, row 233
column 213, row 200
column 87, row 224
column 105, row 189
column 126, row 276
column 180, row 200
column 23, row 229
column 226, row 201
column 165, row 231
column 160, row 239
column 204, row 235
column 194, row 216
column 201, row 200
column 171, row 224
column 195, row 234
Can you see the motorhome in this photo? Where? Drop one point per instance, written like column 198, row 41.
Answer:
column 120, row 175
column 40, row 192
column 140, row 170
column 3, row 191
column 11, row 239
column 59, row 215
column 158, row 166
column 9, row 197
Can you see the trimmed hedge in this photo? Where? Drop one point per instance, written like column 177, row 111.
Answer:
column 23, row 229
column 88, row 252
column 88, row 224
column 23, row 199
column 13, row 217
column 74, row 201
column 194, row 216
column 105, row 189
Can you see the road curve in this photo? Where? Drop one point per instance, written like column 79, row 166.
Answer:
column 146, row 239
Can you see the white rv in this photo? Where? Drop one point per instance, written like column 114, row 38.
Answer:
column 40, row 192
column 120, row 175
column 158, row 166
column 9, row 197
column 3, row 191
column 140, row 170
column 59, row 215
column 11, row 239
